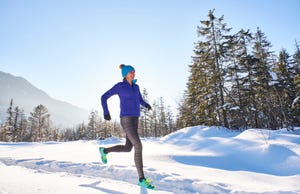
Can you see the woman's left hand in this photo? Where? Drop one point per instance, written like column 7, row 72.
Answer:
column 148, row 106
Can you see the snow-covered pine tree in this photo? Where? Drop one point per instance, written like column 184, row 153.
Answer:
column 205, row 94
column 296, row 101
column 284, row 90
column 238, row 79
column 262, row 89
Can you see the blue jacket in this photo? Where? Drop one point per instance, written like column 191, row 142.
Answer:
column 130, row 99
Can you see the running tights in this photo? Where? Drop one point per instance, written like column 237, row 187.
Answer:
column 130, row 127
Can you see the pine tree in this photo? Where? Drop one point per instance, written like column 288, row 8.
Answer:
column 5, row 133
column 184, row 117
column 10, row 112
column 92, row 128
column 17, row 129
column 82, row 131
column 296, row 101
column 170, row 121
column 154, row 126
column 205, row 93
column 261, row 51
column 238, row 75
column 296, row 59
column 40, row 122
column 162, row 121
column 23, row 127
column 10, row 130
column 144, row 120
column 284, row 90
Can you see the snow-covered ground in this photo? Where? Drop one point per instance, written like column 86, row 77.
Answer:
column 192, row 160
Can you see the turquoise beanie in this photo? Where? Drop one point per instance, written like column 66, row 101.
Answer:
column 125, row 69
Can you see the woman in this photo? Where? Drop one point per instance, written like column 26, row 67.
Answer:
column 130, row 101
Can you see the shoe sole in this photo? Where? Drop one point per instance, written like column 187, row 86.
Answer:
column 103, row 161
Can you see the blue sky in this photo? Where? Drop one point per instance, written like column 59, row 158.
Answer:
column 71, row 49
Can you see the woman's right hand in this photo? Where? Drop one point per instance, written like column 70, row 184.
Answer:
column 107, row 117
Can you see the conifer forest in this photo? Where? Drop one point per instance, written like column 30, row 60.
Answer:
column 238, row 82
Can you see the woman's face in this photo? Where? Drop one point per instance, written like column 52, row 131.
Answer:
column 130, row 75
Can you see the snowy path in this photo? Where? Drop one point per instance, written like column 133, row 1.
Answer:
column 192, row 160
column 169, row 181
column 39, row 181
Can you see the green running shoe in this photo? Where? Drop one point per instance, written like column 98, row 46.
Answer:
column 145, row 183
column 103, row 155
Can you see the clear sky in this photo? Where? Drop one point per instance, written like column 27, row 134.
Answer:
column 71, row 49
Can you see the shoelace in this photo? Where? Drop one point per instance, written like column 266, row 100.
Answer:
column 148, row 181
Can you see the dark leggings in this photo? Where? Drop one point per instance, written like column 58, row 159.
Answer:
column 130, row 126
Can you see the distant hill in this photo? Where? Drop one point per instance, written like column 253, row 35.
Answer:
column 27, row 96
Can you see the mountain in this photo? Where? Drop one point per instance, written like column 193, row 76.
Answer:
column 27, row 96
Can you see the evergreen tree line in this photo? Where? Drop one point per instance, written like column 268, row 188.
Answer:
column 37, row 126
column 158, row 122
column 236, row 81
column 155, row 123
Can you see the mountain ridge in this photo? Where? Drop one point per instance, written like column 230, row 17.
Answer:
column 27, row 96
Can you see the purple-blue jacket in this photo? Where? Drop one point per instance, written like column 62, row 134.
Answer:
column 130, row 99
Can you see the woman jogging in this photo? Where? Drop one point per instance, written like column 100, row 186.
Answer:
column 130, row 101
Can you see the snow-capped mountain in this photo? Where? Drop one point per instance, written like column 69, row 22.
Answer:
column 27, row 96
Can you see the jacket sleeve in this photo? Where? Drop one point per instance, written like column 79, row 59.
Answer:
column 106, row 96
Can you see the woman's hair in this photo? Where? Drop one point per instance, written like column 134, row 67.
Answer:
column 121, row 66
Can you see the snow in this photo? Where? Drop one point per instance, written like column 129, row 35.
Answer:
column 297, row 99
column 196, row 159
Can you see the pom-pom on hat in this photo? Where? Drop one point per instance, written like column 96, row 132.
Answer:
column 125, row 69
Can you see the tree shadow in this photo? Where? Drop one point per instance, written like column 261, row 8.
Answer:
column 94, row 186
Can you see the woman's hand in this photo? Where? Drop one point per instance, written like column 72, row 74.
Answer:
column 148, row 106
column 107, row 117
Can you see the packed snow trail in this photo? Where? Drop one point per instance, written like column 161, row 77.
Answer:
column 192, row 160
column 39, row 181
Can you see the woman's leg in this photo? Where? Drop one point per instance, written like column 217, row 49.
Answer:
column 130, row 126
column 120, row 148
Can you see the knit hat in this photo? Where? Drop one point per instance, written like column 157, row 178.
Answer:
column 125, row 69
